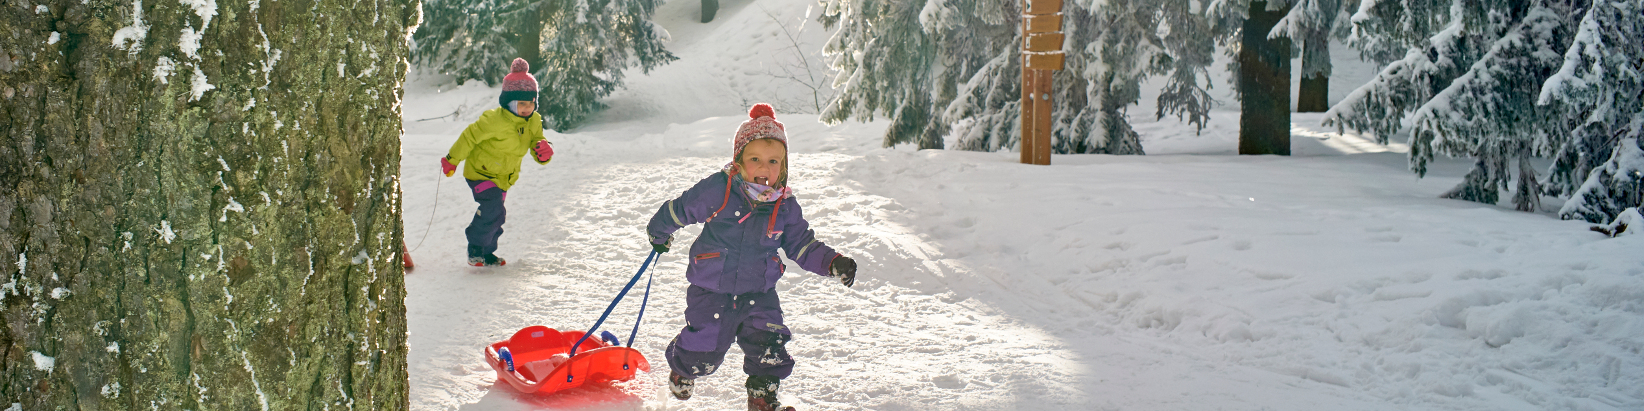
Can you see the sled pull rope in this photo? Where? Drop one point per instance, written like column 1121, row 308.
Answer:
column 614, row 302
column 430, row 214
column 642, row 303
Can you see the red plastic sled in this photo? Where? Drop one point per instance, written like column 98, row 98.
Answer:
column 532, row 349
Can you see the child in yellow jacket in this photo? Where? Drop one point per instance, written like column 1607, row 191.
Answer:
column 493, row 146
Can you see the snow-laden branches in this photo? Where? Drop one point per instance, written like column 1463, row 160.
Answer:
column 578, row 49
column 1506, row 82
column 948, row 72
column 1599, row 89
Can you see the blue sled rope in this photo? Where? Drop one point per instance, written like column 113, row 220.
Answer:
column 618, row 299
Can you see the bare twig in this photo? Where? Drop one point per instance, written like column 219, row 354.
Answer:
column 802, row 72
column 453, row 115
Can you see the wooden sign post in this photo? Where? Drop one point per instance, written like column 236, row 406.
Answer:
column 1041, row 54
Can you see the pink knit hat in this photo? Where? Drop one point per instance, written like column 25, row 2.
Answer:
column 761, row 124
column 518, row 85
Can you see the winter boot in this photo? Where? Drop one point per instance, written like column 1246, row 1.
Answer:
column 493, row 259
column 762, row 394
column 679, row 385
column 482, row 260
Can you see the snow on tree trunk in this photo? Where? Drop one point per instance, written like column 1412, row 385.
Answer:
column 1310, row 23
column 1264, row 84
column 1313, row 95
column 200, row 206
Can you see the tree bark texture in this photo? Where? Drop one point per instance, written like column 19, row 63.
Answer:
column 1313, row 94
column 200, row 206
column 1264, row 85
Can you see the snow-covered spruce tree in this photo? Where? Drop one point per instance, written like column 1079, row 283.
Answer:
column 951, row 70
column 1430, row 60
column 577, row 48
column 1311, row 24
column 1600, row 89
column 1464, row 94
column 1383, row 31
column 887, row 62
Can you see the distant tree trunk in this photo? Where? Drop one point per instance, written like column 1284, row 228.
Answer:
column 528, row 37
column 1311, row 98
column 1264, row 85
column 202, row 221
column 709, row 8
column 1314, row 93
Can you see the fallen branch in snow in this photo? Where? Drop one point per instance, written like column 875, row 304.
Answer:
column 453, row 115
column 1627, row 219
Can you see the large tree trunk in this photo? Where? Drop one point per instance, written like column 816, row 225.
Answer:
column 204, row 221
column 1264, row 85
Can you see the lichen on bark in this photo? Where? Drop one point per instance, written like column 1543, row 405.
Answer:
column 199, row 204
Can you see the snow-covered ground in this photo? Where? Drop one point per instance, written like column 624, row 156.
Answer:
column 1189, row 278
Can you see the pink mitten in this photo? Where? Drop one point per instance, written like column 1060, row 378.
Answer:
column 445, row 164
column 544, row 151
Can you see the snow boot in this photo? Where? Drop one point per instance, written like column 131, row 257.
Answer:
column 762, row 394
column 679, row 385
column 486, row 260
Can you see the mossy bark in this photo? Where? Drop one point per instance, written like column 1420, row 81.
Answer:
column 199, row 204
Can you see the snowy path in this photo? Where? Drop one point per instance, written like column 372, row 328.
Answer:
column 574, row 240
column 1185, row 279
column 1156, row 282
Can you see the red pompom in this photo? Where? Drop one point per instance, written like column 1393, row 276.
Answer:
column 520, row 66
column 762, row 110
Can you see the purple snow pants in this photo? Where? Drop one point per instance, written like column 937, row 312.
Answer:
column 487, row 225
column 713, row 321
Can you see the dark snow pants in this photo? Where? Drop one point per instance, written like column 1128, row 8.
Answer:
column 487, row 224
column 713, row 321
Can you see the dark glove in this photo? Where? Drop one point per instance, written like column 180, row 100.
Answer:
column 844, row 268
column 662, row 248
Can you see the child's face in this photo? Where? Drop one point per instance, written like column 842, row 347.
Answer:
column 762, row 161
column 526, row 107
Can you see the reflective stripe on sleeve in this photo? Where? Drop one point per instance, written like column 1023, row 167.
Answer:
column 674, row 215
column 802, row 250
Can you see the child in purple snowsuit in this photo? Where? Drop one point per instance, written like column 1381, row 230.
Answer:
column 749, row 212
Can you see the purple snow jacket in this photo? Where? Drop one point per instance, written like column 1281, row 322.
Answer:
column 736, row 253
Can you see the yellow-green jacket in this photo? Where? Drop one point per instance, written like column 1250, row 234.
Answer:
column 494, row 144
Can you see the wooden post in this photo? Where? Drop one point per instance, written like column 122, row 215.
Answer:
column 1041, row 54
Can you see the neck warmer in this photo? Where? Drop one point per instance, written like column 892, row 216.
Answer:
column 763, row 193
